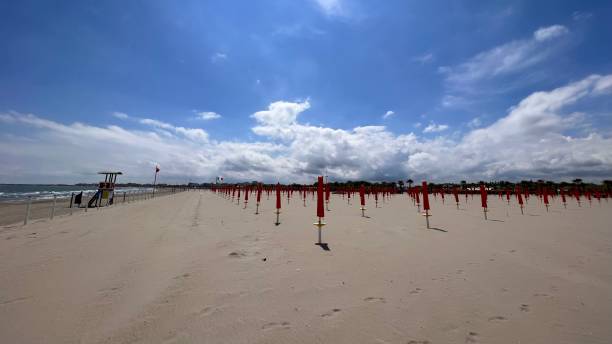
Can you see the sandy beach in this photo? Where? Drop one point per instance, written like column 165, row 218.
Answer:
column 194, row 268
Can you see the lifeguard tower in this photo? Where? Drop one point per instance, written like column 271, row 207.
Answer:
column 105, row 191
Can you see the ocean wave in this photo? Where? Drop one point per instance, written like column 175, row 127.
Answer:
column 59, row 194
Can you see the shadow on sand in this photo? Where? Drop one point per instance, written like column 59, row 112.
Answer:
column 324, row 246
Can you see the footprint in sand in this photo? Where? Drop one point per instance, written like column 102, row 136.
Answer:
column 331, row 313
column 206, row 311
column 418, row 342
column 237, row 254
column 416, row 291
column 274, row 325
column 524, row 308
column 472, row 337
column 374, row 299
column 497, row 318
column 109, row 292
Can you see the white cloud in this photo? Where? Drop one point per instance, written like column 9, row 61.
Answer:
column 388, row 114
column 330, row 7
column 505, row 59
column 194, row 134
column 120, row 115
column 435, row 128
column 208, row 115
column 425, row 58
column 579, row 15
column 298, row 30
column 546, row 33
column 218, row 57
column 536, row 139
column 475, row 122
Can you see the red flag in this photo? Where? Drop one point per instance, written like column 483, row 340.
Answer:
column 425, row 196
column 562, row 195
column 320, row 210
column 327, row 192
column 546, row 196
column 246, row 194
column 278, row 196
column 577, row 195
column 362, row 195
column 519, row 195
column 258, row 193
column 456, row 193
column 483, row 195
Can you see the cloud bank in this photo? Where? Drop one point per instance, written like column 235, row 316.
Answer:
column 537, row 138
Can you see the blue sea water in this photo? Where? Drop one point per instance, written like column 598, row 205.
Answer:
column 18, row 192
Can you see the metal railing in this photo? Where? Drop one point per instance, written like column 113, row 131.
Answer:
column 32, row 209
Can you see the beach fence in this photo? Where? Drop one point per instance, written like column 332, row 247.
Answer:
column 31, row 209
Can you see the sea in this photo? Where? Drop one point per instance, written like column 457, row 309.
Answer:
column 20, row 192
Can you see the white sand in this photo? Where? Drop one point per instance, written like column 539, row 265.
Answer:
column 189, row 268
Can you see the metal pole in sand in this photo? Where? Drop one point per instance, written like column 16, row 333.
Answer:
column 319, row 225
column 425, row 202
column 27, row 213
column 258, row 199
column 327, row 191
column 278, row 203
column 155, row 179
column 53, row 207
column 320, row 212
column 362, row 200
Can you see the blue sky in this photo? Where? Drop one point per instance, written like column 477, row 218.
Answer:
column 421, row 79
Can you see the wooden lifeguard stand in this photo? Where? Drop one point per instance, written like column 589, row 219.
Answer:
column 105, row 191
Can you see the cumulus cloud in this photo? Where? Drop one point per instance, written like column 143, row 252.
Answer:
column 434, row 128
column 535, row 139
column 208, row 115
column 388, row 114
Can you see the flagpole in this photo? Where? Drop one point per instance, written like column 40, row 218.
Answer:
column 155, row 180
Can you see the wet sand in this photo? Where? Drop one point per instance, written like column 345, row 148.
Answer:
column 193, row 267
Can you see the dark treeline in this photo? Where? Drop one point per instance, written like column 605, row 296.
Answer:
column 400, row 186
